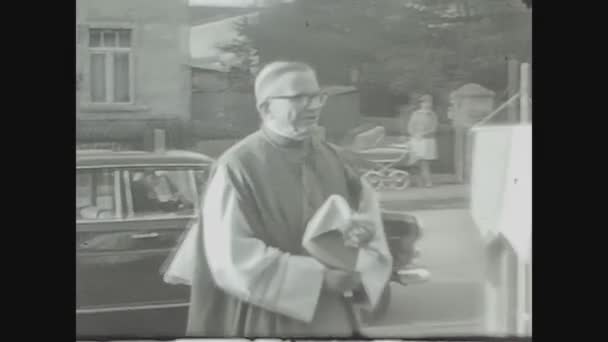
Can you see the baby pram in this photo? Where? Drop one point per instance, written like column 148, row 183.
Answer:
column 381, row 162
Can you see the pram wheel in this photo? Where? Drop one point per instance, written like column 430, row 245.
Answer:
column 398, row 180
column 374, row 178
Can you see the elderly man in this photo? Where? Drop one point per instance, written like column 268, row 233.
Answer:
column 260, row 195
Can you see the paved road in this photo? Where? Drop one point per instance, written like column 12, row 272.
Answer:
column 449, row 304
column 452, row 302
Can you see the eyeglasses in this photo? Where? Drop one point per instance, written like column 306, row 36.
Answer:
column 304, row 100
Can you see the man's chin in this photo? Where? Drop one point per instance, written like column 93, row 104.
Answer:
column 298, row 133
column 306, row 132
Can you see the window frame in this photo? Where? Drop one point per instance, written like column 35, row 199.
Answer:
column 200, row 191
column 109, row 53
column 118, row 212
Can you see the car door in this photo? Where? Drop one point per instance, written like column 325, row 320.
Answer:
column 119, row 256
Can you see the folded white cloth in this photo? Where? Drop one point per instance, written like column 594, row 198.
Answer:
column 323, row 240
column 323, row 235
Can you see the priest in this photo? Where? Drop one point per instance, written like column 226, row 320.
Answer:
column 254, row 278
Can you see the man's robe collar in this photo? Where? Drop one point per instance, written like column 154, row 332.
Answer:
column 297, row 148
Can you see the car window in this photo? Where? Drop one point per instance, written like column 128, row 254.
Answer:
column 156, row 192
column 96, row 194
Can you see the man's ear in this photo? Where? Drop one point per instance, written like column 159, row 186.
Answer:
column 263, row 109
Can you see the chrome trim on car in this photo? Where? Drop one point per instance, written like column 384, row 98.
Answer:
column 160, row 218
column 131, row 219
column 105, row 309
column 92, row 253
column 97, row 221
column 192, row 183
column 123, row 166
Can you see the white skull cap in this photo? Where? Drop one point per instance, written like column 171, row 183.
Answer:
column 268, row 81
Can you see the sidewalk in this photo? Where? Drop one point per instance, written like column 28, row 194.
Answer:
column 444, row 194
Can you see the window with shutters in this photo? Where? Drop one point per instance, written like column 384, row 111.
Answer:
column 111, row 64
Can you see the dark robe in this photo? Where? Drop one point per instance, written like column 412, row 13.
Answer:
column 265, row 175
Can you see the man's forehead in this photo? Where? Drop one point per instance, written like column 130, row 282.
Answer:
column 296, row 82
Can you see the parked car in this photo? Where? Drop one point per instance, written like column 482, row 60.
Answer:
column 131, row 210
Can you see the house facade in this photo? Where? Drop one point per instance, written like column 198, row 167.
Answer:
column 132, row 70
column 222, row 102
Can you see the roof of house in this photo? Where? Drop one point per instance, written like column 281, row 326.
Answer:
column 213, row 63
column 200, row 15
column 109, row 158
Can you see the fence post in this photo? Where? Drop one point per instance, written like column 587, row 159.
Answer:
column 159, row 140
column 524, row 99
column 513, row 86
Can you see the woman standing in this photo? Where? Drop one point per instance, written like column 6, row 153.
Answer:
column 422, row 127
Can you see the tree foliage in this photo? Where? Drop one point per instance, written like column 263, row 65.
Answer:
column 405, row 46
